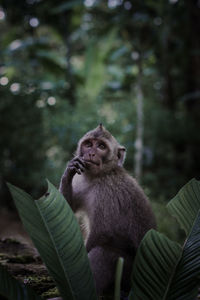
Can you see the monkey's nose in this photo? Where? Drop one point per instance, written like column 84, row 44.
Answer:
column 91, row 154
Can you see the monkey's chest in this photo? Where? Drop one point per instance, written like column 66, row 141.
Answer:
column 82, row 191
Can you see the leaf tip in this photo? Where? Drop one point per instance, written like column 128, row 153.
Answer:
column 50, row 186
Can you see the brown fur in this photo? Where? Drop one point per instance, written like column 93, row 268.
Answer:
column 116, row 211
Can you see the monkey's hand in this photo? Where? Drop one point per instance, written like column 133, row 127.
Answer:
column 76, row 165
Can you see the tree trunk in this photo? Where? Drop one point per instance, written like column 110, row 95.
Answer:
column 140, row 125
column 193, row 62
column 70, row 90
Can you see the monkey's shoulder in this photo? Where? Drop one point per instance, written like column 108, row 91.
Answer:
column 121, row 178
column 115, row 183
column 127, row 187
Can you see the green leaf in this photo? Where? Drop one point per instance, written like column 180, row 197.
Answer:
column 67, row 5
column 186, row 278
column 13, row 289
column 55, row 232
column 96, row 53
column 185, row 205
column 118, row 277
column 52, row 58
column 155, row 261
column 163, row 270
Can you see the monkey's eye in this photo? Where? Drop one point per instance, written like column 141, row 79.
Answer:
column 88, row 144
column 102, row 146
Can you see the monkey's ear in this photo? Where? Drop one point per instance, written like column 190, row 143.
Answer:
column 121, row 155
column 100, row 127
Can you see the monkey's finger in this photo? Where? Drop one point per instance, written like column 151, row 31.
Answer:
column 79, row 171
column 78, row 159
column 74, row 170
column 71, row 170
column 79, row 166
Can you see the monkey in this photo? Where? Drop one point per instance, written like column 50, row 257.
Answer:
column 114, row 210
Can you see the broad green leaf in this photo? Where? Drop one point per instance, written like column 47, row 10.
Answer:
column 162, row 269
column 155, row 261
column 185, row 205
column 55, row 232
column 13, row 289
column 185, row 282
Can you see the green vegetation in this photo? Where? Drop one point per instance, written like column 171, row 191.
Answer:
column 162, row 270
column 56, row 234
column 13, row 289
column 52, row 293
column 65, row 67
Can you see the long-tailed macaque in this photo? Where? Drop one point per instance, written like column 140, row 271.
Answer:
column 116, row 213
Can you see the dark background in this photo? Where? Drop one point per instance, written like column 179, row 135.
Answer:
column 65, row 66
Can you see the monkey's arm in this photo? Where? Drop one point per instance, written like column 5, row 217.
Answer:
column 76, row 165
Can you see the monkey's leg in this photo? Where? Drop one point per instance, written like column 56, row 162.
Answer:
column 103, row 264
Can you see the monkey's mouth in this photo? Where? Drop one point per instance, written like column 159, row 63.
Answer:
column 92, row 162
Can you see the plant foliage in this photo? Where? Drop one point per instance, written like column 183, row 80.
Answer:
column 163, row 269
column 13, row 289
column 55, row 232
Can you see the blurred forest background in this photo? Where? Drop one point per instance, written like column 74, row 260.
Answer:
column 65, row 66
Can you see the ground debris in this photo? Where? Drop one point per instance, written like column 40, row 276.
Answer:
column 24, row 263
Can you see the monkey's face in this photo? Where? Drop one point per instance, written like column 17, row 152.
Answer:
column 95, row 153
column 100, row 156
column 100, row 151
